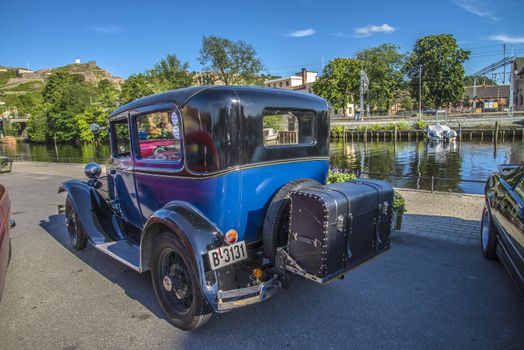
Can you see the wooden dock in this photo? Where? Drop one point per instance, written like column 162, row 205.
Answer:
column 495, row 135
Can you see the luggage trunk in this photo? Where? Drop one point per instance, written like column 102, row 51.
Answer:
column 334, row 228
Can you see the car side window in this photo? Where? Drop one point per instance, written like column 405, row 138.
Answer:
column 159, row 135
column 122, row 144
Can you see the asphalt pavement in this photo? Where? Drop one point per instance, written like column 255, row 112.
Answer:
column 423, row 293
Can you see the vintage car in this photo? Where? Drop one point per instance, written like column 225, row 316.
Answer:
column 502, row 226
column 220, row 210
column 5, row 239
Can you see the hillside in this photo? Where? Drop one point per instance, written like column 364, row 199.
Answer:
column 21, row 88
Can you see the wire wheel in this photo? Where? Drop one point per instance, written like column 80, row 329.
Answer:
column 176, row 281
column 176, row 285
column 76, row 232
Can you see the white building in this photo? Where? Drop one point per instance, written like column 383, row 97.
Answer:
column 301, row 81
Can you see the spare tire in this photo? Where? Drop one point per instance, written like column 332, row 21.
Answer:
column 276, row 221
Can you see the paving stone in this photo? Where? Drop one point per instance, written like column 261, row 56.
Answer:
column 452, row 217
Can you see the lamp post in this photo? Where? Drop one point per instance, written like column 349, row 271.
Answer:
column 364, row 84
column 420, row 92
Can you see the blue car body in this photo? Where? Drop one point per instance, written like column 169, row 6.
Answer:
column 220, row 175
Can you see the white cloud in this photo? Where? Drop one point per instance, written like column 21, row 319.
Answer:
column 503, row 38
column 478, row 7
column 302, row 33
column 364, row 32
column 107, row 29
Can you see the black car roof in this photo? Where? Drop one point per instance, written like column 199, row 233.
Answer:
column 181, row 96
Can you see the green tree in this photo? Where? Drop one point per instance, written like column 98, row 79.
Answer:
column 383, row 65
column 136, row 86
column 340, row 82
column 407, row 103
column 107, row 94
column 37, row 125
column 54, row 86
column 67, row 95
column 442, row 70
column 235, row 62
column 86, row 118
column 171, row 73
column 469, row 80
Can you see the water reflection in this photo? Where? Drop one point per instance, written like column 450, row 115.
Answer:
column 60, row 153
column 417, row 160
column 450, row 163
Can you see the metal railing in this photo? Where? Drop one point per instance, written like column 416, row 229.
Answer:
column 433, row 179
column 421, row 177
column 55, row 159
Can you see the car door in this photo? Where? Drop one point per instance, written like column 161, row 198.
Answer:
column 121, row 179
column 512, row 208
column 158, row 158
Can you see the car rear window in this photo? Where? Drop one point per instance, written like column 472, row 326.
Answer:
column 284, row 127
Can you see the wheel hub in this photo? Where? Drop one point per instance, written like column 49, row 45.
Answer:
column 167, row 283
column 179, row 282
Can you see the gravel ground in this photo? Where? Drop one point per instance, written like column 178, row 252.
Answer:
column 452, row 217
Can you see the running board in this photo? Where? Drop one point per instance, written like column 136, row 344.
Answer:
column 123, row 251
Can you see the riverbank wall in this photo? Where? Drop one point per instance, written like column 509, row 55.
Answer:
column 495, row 134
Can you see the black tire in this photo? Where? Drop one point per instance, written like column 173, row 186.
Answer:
column 180, row 297
column 488, row 236
column 276, row 221
column 74, row 227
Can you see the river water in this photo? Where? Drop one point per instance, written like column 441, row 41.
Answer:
column 404, row 164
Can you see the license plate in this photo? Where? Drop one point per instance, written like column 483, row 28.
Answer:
column 227, row 255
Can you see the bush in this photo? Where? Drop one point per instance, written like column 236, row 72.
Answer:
column 390, row 126
column 399, row 203
column 375, row 127
column 336, row 175
column 420, row 125
column 403, row 126
column 337, row 132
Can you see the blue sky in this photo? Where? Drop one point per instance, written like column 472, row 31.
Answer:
column 130, row 36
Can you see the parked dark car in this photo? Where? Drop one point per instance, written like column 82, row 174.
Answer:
column 502, row 228
column 5, row 239
column 429, row 111
column 206, row 186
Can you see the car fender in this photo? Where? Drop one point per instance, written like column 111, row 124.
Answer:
column 197, row 233
column 90, row 207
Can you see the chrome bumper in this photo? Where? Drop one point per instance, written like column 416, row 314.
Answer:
column 230, row 299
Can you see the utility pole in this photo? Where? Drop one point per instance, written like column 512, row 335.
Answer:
column 511, row 82
column 504, row 74
column 420, row 92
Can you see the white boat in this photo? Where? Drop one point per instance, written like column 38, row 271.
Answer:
column 441, row 132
